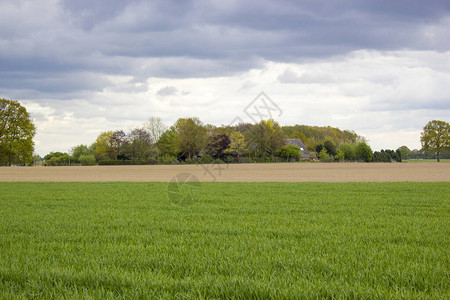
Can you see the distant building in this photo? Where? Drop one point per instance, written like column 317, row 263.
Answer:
column 299, row 143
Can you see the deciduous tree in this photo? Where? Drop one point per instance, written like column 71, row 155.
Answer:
column 16, row 133
column 140, row 146
column 87, row 160
column 168, row 144
column 289, row 151
column 436, row 137
column 155, row 128
column 363, row 152
column 217, row 145
column 103, row 147
column 191, row 135
column 348, row 150
column 404, row 150
column 330, row 147
column 79, row 150
column 57, row 159
column 237, row 145
column 265, row 138
column 118, row 141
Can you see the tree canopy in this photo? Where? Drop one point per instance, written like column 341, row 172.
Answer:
column 312, row 136
column 289, row 151
column 192, row 136
column 265, row 138
column 436, row 137
column 237, row 144
column 16, row 133
column 104, row 148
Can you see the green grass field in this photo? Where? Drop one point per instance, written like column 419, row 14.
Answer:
column 239, row 240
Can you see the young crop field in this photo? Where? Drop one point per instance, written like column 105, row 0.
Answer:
column 236, row 240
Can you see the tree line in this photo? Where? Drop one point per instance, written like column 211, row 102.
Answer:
column 189, row 140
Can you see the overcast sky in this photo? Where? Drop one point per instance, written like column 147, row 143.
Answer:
column 378, row 67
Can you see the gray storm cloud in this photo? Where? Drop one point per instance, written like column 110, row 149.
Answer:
column 39, row 40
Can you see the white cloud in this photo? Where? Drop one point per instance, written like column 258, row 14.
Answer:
column 307, row 77
column 167, row 91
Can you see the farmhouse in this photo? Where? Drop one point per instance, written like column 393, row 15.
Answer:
column 299, row 143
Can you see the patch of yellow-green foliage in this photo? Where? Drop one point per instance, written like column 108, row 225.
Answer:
column 239, row 240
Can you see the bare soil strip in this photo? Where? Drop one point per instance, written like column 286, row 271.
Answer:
column 283, row 172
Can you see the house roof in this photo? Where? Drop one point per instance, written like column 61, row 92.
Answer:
column 299, row 143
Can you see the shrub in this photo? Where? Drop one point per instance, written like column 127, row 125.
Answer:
column 218, row 161
column 348, row 150
column 152, row 161
column 87, row 160
column 387, row 156
column 276, row 159
column 267, row 159
column 206, row 159
column 399, row 155
column 168, row 160
column 324, row 156
column 57, row 159
column 245, row 160
column 257, row 160
column 113, row 162
column 190, row 161
column 54, row 161
column 109, row 162
column 382, row 156
column 403, row 152
column 80, row 150
column 289, row 151
column 230, row 159
column 319, row 148
column 339, row 156
column 330, row 147
column 395, row 155
column 363, row 152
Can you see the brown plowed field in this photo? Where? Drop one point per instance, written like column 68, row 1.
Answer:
column 284, row 172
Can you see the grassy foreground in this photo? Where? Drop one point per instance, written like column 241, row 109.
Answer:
column 239, row 240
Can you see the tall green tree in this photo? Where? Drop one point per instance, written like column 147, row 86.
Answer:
column 265, row 138
column 16, row 133
column 192, row 136
column 404, row 151
column 103, row 147
column 348, row 151
column 237, row 145
column 330, row 147
column 168, row 144
column 436, row 137
column 79, row 150
column 363, row 152
column 139, row 145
